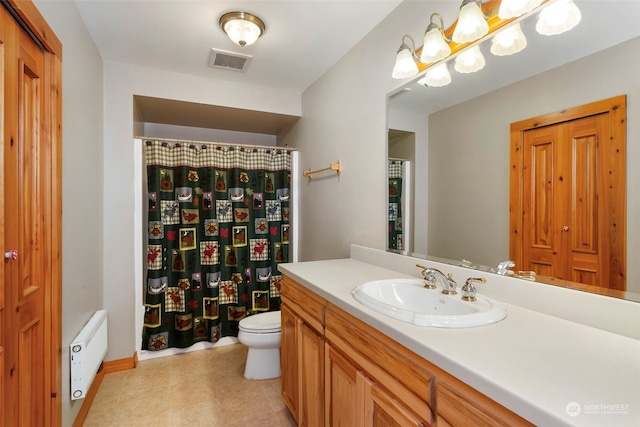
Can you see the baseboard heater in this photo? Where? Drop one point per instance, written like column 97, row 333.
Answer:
column 87, row 352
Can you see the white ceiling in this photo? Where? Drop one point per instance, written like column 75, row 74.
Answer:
column 304, row 38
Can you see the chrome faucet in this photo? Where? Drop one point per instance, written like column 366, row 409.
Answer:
column 503, row 268
column 468, row 290
column 433, row 276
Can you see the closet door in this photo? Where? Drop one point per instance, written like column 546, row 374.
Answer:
column 565, row 232
column 24, row 234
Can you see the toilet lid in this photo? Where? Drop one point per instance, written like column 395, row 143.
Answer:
column 263, row 323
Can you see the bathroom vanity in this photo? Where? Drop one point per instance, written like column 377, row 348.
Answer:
column 345, row 364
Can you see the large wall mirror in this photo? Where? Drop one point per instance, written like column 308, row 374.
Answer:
column 461, row 132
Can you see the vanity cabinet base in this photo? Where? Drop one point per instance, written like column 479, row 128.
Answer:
column 344, row 372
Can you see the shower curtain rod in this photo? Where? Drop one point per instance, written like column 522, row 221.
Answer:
column 225, row 144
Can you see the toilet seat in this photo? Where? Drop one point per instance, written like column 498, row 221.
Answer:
column 263, row 323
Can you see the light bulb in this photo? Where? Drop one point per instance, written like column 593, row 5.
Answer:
column 558, row 17
column 435, row 47
column 405, row 65
column 471, row 23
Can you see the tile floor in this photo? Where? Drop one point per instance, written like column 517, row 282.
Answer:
column 200, row 388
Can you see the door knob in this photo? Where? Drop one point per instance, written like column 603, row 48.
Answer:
column 565, row 228
column 12, row 255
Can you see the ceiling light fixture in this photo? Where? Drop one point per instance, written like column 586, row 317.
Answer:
column 514, row 8
column 405, row 66
column 242, row 28
column 472, row 24
column 558, row 17
column 435, row 45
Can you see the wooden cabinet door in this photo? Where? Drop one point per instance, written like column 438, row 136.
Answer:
column 311, row 376
column 382, row 410
column 343, row 391
column 289, row 360
column 24, row 229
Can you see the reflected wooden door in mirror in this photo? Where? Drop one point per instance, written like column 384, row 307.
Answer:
column 568, row 194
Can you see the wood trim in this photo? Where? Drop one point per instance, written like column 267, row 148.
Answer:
column 121, row 364
column 31, row 16
column 55, row 129
column 614, row 197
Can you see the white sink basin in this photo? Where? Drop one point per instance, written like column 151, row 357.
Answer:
column 410, row 301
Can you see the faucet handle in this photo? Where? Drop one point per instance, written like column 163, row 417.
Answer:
column 528, row 275
column 468, row 290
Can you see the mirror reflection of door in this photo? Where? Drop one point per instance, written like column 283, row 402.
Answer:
column 570, row 192
column 401, row 158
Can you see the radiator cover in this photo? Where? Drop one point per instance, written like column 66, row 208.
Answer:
column 86, row 353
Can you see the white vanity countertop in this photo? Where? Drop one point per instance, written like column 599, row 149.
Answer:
column 532, row 363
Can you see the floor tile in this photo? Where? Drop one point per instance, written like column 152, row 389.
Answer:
column 199, row 388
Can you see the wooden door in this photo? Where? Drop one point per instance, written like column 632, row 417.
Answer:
column 568, row 183
column 29, row 226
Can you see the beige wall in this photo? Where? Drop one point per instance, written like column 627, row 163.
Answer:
column 344, row 118
column 82, row 180
column 469, row 165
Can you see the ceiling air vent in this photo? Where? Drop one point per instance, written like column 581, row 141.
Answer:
column 229, row 60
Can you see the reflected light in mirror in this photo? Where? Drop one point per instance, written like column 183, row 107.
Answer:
column 470, row 61
column 437, row 76
column 471, row 22
column 508, row 41
column 514, row 8
column 558, row 17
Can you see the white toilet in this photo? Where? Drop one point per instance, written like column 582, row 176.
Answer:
column 261, row 333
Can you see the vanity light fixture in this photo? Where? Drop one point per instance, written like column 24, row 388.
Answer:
column 472, row 24
column 435, row 45
column 558, row 17
column 472, row 28
column 514, row 8
column 437, row 76
column 405, row 66
column 508, row 41
column 470, row 61
column 242, row 28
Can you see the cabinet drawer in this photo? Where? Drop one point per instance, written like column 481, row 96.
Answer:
column 304, row 302
column 460, row 405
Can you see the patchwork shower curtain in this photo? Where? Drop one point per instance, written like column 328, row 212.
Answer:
column 395, row 206
column 218, row 226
